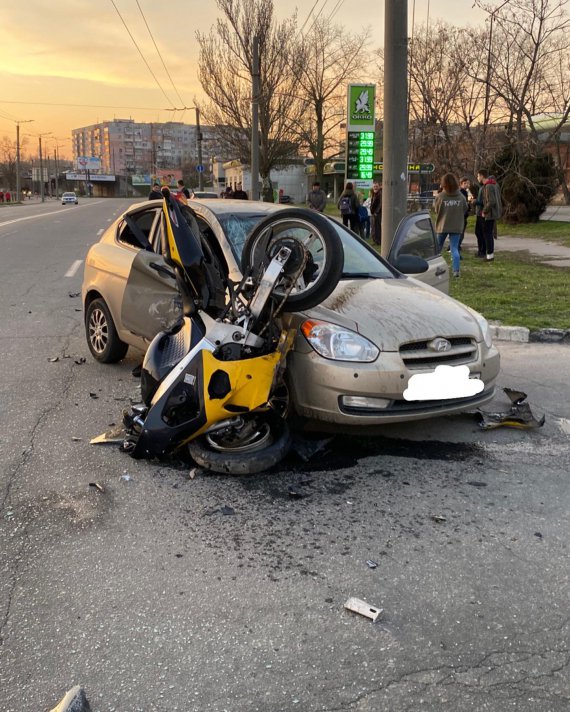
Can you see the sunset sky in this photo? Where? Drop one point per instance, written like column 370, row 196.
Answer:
column 71, row 63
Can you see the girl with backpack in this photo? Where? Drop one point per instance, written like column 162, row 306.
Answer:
column 348, row 206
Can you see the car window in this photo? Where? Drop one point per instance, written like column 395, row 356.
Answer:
column 143, row 221
column 418, row 240
column 359, row 259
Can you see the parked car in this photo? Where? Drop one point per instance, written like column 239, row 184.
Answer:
column 205, row 195
column 69, row 198
column 354, row 355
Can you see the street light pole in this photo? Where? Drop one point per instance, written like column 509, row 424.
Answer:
column 255, row 91
column 199, row 144
column 41, row 173
column 28, row 121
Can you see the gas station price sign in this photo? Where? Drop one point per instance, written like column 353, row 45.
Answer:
column 360, row 155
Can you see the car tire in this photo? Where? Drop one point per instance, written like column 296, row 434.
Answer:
column 260, row 239
column 238, row 460
column 102, row 337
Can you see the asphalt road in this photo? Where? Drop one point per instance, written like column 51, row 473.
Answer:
column 168, row 593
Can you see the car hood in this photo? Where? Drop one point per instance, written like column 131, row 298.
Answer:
column 391, row 312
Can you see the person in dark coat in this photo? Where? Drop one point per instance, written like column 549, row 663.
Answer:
column 155, row 193
column 239, row 193
column 376, row 213
column 348, row 206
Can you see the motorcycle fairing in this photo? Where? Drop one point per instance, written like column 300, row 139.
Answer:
column 194, row 401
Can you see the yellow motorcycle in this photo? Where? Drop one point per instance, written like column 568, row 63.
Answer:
column 214, row 382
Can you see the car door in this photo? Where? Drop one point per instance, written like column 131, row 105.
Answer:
column 415, row 236
column 151, row 301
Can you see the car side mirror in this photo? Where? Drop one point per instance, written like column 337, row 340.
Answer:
column 410, row 264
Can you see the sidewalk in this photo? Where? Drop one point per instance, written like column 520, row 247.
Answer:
column 554, row 253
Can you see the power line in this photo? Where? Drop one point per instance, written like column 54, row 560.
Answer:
column 141, row 54
column 317, row 16
column 309, row 15
column 93, row 106
column 335, row 9
column 159, row 54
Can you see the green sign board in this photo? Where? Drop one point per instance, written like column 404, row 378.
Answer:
column 412, row 167
column 360, row 155
column 360, row 110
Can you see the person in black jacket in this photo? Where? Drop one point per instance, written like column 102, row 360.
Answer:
column 376, row 213
column 155, row 193
column 348, row 206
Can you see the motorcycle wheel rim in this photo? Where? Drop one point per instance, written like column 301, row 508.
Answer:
column 259, row 438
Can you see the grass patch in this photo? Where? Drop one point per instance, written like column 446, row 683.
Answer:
column 515, row 289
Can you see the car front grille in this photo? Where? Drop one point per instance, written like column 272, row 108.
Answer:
column 418, row 354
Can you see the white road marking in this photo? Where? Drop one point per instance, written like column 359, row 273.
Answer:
column 99, row 232
column 73, row 269
column 43, row 215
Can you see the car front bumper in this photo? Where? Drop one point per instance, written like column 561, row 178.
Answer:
column 346, row 394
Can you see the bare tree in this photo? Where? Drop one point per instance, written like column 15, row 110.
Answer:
column 530, row 64
column 323, row 62
column 8, row 162
column 225, row 70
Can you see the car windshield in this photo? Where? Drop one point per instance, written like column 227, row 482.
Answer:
column 360, row 261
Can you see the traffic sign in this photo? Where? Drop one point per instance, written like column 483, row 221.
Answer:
column 200, row 168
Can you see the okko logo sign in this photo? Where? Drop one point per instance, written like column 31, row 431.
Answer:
column 361, row 107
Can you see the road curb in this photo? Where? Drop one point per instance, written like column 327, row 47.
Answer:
column 521, row 334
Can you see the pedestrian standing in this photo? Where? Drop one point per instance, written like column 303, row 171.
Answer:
column 182, row 194
column 376, row 213
column 364, row 217
column 317, row 198
column 490, row 204
column 450, row 207
column 479, row 219
column 464, row 185
column 239, row 193
column 155, row 193
column 348, row 206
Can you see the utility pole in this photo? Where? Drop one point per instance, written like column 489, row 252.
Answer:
column 395, row 171
column 55, row 157
column 28, row 121
column 255, row 91
column 486, row 112
column 41, row 173
column 199, row 144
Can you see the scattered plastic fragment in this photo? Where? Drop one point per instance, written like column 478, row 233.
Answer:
column 438, row 518
column 194, row 472
column 371, row 564
column 359, row 606
column 75, row 439
column 80, row 360
column 74, row 701
column 228, row 511
column 117, row 435
column 307, row 449
column 74, row 294
column 93, row 395
column 55, row 359
column 538, row 535
column 476, row 483
column 519, row 415
column 97, row 486
column 295, row 492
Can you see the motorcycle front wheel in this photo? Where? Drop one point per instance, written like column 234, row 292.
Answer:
column 309, row 234
column 263, row 441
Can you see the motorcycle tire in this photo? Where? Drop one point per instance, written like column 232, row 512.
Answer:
column 283, row 224
column 239, row 461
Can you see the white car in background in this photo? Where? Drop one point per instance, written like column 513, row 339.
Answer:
column 69, row 198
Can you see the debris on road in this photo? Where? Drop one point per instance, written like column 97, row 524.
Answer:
column 74, row 701
column 74, row 294
column 93, row 395
column 127, row 478
column 228, row 511
column 519, row 415
column 76, row 439
column 307, row 449
column 97, row 486
column 80, row 360
column 371, row 564
column 438, row 518
column 359, row 606
column 55, row 359
column 109, row 437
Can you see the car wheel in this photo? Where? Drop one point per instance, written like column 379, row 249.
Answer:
column 102, row 337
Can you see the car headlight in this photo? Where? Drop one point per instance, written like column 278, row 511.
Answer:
column 484, row 326
column 337, row 343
